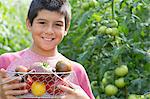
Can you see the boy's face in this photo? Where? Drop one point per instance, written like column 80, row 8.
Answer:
column 48, row 30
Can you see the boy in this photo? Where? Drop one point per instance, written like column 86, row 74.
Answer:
column 48, row 21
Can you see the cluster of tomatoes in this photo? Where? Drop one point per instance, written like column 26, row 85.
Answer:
column 108, row 27
column 87, row 5
column 111, row 88
column 39, row 84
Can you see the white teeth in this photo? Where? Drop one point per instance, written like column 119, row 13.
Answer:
column 48, row 39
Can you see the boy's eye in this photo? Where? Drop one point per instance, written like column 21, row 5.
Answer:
column 41, row 22
column 59, row 24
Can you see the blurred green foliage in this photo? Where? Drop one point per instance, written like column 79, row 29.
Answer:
column 104, row 34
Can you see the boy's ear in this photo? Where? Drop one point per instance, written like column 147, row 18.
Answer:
column 65, row 33
column 28, row 25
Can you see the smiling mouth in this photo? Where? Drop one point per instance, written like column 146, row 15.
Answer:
column 48, row 39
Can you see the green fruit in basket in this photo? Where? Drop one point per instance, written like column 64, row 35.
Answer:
column 40, row 67
column 63, row 66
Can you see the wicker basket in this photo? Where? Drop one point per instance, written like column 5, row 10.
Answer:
column 50, row 80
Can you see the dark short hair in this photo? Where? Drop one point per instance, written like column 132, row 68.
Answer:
column 61, row 6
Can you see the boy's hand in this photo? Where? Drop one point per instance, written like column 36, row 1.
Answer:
column 76, row 93
column 10, row 90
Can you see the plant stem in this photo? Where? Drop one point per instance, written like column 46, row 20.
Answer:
column 126, row 93
column 113, row 9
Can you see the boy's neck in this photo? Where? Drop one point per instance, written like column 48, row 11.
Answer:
column 45, row 53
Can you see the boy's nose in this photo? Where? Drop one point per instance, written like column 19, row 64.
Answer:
column 49, row 31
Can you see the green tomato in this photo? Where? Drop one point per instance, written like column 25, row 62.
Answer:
column 98, row 97
column 120, row 83
column 132, row 96
column 114, row 31
column 142, row 97
column 121, row 71
column 94, row 84
column 108, row 74
column 111, row 90
column 105, row 22
column 102, row 30
column 147, row 95
column 85, row 6
column 93, row 3
column 96, row 17
column 109, row 31
column 113, row 23
column 104, row 81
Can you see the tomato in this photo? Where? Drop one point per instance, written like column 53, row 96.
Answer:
column 132, row 96
column 104, row 81
column 27, row 79
column 21, row 69
column 38, row 88
column 121, row 71
column 102, row 30
column 63, row 66
column 120, row 83
column 98, row 97
column 114, row 31
column 107, row 74
column 93, row 3
column 111, row 90
column 109, row 31
column 97, row 17
column 93, row 84
column 113, row 23
column 39, row 67
column 105, row 22
column 85, row 6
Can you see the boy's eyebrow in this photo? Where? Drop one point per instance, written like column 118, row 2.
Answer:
column 40, row 19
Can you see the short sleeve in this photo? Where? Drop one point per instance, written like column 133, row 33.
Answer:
column 4, row 61
column 83, row 79
column 7, row 58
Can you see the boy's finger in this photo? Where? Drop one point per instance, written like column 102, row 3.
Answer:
column 11, row 80
column 16, row 92
column 3, row 73
column 13, row 86
column 66, row 89
column 10, row 97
